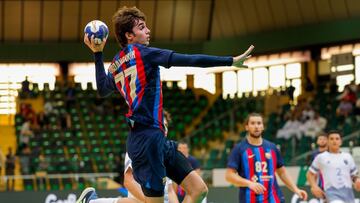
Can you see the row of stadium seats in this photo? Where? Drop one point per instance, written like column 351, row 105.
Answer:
column 96, row 136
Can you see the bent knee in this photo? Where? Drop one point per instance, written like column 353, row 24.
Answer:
column 203, row 192
column 200, row 190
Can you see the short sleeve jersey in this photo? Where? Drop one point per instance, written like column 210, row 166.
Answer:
column 258, row 164
column 320, row 179
column 135, row 70
column 337, row 169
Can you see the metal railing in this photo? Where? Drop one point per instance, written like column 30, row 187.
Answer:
column 353, row 135
column 41, row 176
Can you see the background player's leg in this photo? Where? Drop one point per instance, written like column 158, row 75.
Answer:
column 195, row 188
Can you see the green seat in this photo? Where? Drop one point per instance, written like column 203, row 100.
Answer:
column 68, row 186
column 72, row 150
column 84, row 150
column 29, row 187
column 82, row 143
column 79, row 134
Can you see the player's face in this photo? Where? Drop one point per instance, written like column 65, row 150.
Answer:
column 322, row 141
column 255, row 126
column 141, row 33
column 334, row 142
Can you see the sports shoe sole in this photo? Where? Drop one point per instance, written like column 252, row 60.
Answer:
column 84, row 193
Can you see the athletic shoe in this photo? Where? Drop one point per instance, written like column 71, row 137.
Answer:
column 87, row 195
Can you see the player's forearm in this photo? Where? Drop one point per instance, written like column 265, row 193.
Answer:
column 199, row 60
column 311, row 178
column 236, row 180
column 287, row 181
column 104, row 84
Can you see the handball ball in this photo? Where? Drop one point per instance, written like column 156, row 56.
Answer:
column 98, row 29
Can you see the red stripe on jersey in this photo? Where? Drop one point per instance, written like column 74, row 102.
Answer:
column 140, row 73
column 127, row 86
column 265, row 174
column 160, row 112
column 274, row 159
column 251, row 158
column 276, row 196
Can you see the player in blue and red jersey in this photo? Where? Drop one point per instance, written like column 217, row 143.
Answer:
column 134, row 72
column 321, row 141
column 252, row 166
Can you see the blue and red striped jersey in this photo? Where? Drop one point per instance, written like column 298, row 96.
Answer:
column 135, row 70
column 258, row 164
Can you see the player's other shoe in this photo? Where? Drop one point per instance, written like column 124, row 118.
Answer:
column 87, row 195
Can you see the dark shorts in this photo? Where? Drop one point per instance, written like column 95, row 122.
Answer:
column 153, row 158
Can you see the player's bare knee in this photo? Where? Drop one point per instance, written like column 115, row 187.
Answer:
column 204, row 190
column 200, row 191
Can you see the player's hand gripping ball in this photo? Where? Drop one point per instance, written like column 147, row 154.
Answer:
column 97, row 29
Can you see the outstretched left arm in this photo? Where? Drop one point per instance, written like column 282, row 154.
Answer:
column 200, row 60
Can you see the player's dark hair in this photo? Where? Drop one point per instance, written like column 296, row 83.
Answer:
column 322, row 134
column 252, row 115
column 334, row 132
column 124, row 20
column 183, row 142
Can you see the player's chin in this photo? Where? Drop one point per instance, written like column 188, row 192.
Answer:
column 256, row 134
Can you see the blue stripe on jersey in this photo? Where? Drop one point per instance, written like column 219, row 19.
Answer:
column 256, row 151
column 124, row 89
column 245, row 162
column 157, row 97
column 271, row 182
column 137, row 90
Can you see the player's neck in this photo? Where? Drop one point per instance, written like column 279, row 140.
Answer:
column 257, row 141
column 334, row 151
column 322, row 149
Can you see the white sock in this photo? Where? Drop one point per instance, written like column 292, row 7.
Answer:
column 104, row 200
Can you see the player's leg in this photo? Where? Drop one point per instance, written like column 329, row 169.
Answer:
column 145, row 149
column 179, row 170
column 195, row 188
column 89, row 196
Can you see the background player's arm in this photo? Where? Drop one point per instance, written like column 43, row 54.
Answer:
column 233, row 177
column 354, row 174
column 356, row 181
column 134, row 187
column 311, row 177
column 315, row 189
column 284, row 176
column 105, row 85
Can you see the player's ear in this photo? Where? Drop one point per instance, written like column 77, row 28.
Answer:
column 129, row 35
column 246, row 127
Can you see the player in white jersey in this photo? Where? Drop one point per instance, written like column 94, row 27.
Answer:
column 339, row 173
